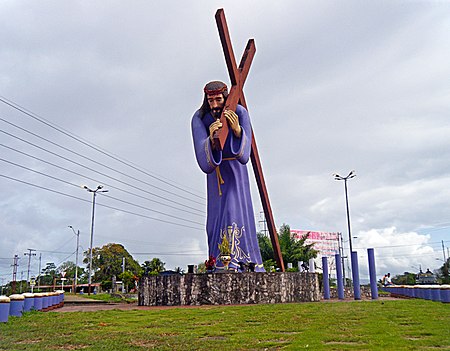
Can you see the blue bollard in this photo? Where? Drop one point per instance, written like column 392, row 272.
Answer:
column 326, row 280
column 340, row 284
column 355, row 274
column 372, row 274
column 16, row 305
column 28, row 303
column 4, row 308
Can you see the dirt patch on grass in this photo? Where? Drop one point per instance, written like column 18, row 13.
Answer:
column 69, row 347
column 143, row 343
column 29, row 341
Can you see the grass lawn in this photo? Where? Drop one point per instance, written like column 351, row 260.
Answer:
column 107, row 298
column 358, row 325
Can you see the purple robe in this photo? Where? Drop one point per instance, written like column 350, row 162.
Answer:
column 230, row 210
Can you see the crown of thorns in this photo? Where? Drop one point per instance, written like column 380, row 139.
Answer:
column 215, row 87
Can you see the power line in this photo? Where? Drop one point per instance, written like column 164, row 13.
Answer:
column 104, row 174
column 88, row 144
column 107, row 184
column 76, row 185
column 103, row 205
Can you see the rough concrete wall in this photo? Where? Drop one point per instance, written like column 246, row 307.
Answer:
column 228, row 288
column 348, row 292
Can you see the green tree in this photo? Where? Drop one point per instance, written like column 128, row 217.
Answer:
column 69, row 268
column 443, row 272
column 405, row 279
column 153, row 266
column 292, row 249
column 48, row 274
column 128, row 279
column 107, row 262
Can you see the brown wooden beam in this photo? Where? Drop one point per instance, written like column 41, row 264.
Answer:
column 236, row 95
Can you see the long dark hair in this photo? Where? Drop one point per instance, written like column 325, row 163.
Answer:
column 213, row 87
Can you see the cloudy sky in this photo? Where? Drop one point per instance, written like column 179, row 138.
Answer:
column 103, row 93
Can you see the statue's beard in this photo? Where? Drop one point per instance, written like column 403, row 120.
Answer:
column 216, row 112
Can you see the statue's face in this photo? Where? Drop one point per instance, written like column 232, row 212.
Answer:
column 216, row 103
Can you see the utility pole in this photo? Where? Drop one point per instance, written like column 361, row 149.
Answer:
column 94, row 193
column 30, row 253
column 21, row 281
column 76, row 259
column 14, row 277
column 39, row 276
column 443, row 251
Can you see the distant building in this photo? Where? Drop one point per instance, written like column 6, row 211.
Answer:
column 426, row 278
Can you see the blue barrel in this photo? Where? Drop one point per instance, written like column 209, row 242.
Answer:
column 53, row 300
column 427, row 292
column 38, row 299
column 16, row 305
column 436, row 293
column 4, row 308
column 418, row 291
column 62, row 298
column 45, row 301
column 445, row 293
column 28, row 304
column 414, row 291
column 55, row 297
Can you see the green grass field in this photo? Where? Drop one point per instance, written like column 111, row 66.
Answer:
column 357, row 325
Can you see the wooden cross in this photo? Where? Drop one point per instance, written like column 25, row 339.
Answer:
column 235, row 96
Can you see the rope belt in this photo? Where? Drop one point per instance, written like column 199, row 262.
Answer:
column 220, row 180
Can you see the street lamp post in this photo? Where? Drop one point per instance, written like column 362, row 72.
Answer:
column 349, row 176
column 94, row 193
column 77, row 233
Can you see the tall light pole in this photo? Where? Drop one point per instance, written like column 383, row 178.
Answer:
column 77, row 233
column 94, row 193
column 349, row 176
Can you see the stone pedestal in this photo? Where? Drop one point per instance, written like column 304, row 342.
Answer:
column 228, row 288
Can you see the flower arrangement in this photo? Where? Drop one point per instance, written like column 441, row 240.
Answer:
column 210, row 263
column 224, row 247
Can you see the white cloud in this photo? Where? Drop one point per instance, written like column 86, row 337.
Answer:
column 395, row 252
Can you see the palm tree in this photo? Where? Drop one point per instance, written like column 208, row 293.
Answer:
column 292, row 249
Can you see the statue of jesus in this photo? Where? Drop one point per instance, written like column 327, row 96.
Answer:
column 230, row 209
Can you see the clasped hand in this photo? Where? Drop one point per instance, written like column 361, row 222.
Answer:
column 233, row 121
